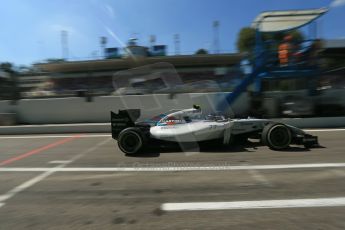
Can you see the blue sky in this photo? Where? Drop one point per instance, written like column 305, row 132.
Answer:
column 30, row 29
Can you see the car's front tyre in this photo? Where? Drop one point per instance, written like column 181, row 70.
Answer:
column 276, row 136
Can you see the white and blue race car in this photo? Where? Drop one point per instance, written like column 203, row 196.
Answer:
column 189, row 125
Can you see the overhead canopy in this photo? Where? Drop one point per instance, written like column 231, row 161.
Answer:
column 276, row 21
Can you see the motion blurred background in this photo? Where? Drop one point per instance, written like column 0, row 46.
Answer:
column 61, row 56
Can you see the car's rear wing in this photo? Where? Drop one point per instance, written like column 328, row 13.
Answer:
column 123, row 119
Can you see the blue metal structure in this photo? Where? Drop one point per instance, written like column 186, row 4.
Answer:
column 262, row 66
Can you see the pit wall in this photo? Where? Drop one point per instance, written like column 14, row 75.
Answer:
column 78, row 110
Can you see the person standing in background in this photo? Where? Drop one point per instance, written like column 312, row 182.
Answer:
column 285, row 51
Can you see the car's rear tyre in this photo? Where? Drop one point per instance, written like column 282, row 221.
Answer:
column 276, row 136
column 131, row 140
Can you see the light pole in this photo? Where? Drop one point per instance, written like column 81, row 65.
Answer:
column 216, row 36
column 103, row 42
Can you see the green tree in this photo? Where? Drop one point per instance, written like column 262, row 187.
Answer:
column 7, row 66
column 246, row 39
column 55, row 60
column 201, row 51
column 13, row 84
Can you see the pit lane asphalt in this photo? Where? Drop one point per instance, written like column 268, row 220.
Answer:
column 86, row 199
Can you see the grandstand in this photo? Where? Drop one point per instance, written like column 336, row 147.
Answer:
column 96, row 75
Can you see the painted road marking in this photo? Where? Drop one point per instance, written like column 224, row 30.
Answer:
column 59, row 162
column 108, row 135
column 1, row 204
column 53, row 136
column 173, row 169
column 45, row 174
column 323, row 130
column 27, row 184
column 38, row 150
column 261, row 204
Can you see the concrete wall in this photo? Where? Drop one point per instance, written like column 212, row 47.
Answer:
column 5, row 107
column 315, row 122
column 77, row 110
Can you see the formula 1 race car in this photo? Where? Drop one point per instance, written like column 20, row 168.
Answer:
column 189, row 125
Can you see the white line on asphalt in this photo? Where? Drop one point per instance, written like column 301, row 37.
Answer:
column 59, row 162
column 108, row 135
column 292, row 203
column 88, row 150
column 28, row 184
column 2, row 204
column 173, row 169
column 53, row 136
column 45, row 174
column 59, row 125
column 323, row 130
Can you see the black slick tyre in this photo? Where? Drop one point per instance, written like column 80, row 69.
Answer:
column 131, row 140
column 276, row 136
